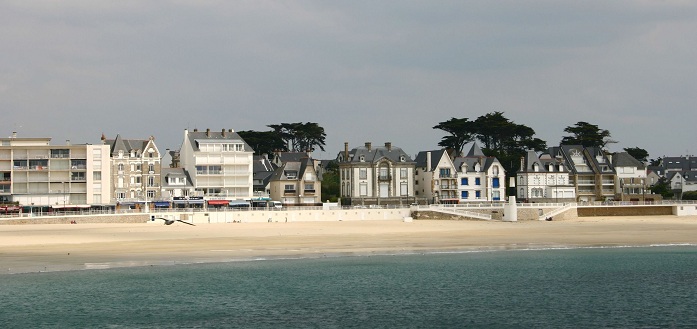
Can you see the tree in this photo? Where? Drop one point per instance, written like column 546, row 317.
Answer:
column 330, row 182
column 461, row 132
column 690, row 195
column 662, row 188
column 300, row 137
column 587, row 135
column 638, row 153
column 263, row 142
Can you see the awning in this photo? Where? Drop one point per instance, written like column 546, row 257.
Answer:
column 218, row 202
column 57, row 206
column 184, row 201
column 161, row 203
column 238, row 202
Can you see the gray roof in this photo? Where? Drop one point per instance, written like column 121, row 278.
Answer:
column 375, row 154
column 679, row 163
column 436, row 156
column 299, row 167
column 175, row 172
column 125, row 145
column 529, row 159
column 223, row 135
column 475, row 151
column 282, row 157
column 485, row 162
column 623, row 159
column 262, row 169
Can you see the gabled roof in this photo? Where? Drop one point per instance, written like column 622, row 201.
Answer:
column 216, row 136
column 282, row 157
column 298, row 167
column 485, row 162
column 623, row 159
column 125, row 145
column 175, row 172
column 529, row 160
column 436, row 156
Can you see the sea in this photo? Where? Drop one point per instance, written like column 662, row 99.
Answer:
column 618, row 287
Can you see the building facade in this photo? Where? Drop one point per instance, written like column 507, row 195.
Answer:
column 136, row 170
column 219, row 165
column 544, row 178
column 35, row 173
column 376, row 175
column 479, row 178
column 296, row 183
column 435, row 177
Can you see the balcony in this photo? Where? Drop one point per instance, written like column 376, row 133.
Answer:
column 289, row 192
column 385, row 177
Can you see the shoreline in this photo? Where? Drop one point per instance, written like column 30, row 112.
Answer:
column 65, row 247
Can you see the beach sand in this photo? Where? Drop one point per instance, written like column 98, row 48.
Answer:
column 51, row 247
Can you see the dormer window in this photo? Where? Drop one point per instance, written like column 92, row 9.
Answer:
column 535, row 167
column 291, row 174
column 402, row 159
column 362, row 158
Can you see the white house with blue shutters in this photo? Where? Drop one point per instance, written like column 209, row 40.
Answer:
column 480, row 178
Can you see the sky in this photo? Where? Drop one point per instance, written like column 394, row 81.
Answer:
column 366, row 71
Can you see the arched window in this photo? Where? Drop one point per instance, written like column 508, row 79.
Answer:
column 495, row 170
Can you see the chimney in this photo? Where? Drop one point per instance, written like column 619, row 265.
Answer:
column 345, row 151
column 14, row 134
column 230, row 130
column 388, row 146
column 367, row 145
column 195, row 130
column 208, row 132
column 223, row 132
column 428, row 161
column 522, row 164
column 67, row 142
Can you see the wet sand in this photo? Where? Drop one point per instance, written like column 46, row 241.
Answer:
column 51, row 247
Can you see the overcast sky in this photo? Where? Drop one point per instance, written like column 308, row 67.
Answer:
column 364, row 70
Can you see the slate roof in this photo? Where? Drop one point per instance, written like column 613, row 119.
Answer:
column 125, row 145
column 436, row 156
column 175, row 172
column 623, row 159
column 299, row 167
column 679, row 163
column 375, row 154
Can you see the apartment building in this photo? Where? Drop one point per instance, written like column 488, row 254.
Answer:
column 219, row 165
column 35, row 173
column 135, row 167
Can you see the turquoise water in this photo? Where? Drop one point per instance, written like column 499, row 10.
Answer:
column 580, row 288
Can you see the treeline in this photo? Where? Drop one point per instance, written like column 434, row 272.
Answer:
column 497, row 135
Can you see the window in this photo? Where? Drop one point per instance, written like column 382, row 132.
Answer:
column 215, row 170
column 151, row 181
column 362, row 173
column 138, row 167
column 465, row 194
column 120, row 166
column 496, row 195
column 477, row 181
column 291, row 174
column 495, row 170
column 151, row 194
column 403, row 173
column 309, row 176
column 495, row 182
column 310, row 187
column 477, row 194
column 138, row 180
column 201, row 170
column 289, row 188
column 445, row 172
column 77, row 176
column 97, row 175
column 363, row 189
column 384, row 173
column 133, row 167
column 403, row 189
column 120, row 195
column 151, row 167
column 464, row 181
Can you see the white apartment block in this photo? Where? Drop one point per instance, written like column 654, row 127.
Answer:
column 35, row 173
column 219, row 164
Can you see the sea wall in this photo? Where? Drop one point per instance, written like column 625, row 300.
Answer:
column 117, row 218
column 299, row 215
column 654, row 210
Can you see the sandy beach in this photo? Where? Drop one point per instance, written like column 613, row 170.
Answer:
column 50, row 247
